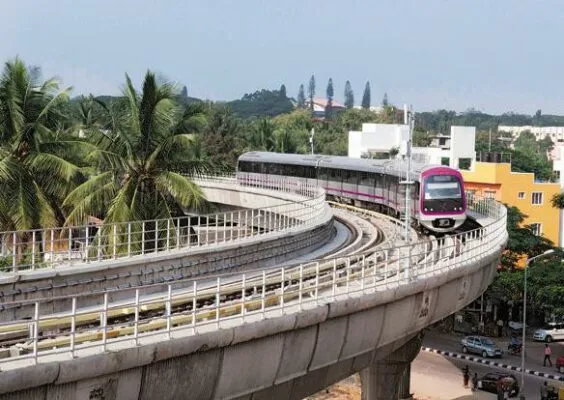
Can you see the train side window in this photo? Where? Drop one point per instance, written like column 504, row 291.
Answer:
column 323, row 173
column 244, row 166
column 354, row 177
column 310, row 172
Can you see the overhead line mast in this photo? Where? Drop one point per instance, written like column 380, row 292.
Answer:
column 408, row 119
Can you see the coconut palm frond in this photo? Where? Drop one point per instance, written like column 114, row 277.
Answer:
column 185, row 192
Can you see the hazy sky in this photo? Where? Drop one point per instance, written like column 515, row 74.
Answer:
column 493, row 55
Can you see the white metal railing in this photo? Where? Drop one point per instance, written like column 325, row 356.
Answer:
column 61, row 246
column 192, row 305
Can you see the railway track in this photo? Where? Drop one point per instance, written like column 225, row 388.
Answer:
column 369, row 262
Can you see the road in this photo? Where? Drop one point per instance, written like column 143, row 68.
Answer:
column 436, row 377
column 534, row 354
column 433, row 377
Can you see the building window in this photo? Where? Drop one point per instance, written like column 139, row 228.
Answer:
column 489, row 194
column 536, row 198
column 521, row 195
column 536, row 228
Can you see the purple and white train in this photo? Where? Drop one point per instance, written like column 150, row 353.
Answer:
column 438, row 203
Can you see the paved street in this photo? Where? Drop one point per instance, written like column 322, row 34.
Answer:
column 533, row 357
column 436, row 377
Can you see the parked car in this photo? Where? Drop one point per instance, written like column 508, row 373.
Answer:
column 489, row 381
column 480, row 345
column 560, row 364
column 549, row 332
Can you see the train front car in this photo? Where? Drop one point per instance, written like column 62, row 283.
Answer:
column 442, row 205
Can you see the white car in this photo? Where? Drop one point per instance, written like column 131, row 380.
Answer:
column 550, row 332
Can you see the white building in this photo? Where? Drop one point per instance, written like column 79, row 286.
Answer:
column 556, row 133
column 382, row 138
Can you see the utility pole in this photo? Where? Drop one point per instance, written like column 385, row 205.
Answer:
column 311, row 133
column 408, row 120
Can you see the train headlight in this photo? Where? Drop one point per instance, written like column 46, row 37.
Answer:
column 426, row 209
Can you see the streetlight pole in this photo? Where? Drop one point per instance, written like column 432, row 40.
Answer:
column 312, row 132
column 529, row 261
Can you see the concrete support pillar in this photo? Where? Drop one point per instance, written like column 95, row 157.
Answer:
column 381, row 380
column 404, row 384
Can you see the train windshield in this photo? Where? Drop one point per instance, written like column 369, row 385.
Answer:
column 439, row 187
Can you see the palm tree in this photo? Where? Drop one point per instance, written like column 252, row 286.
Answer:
column 137, row 162
column 35, row 173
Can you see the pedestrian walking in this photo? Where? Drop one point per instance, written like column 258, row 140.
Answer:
column 475, row 382
column 466, row 375
column 499, row 327
column 547, row 354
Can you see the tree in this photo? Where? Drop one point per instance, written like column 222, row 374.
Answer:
column 522, row 241
column 262, row 103
column 366, row 96
column 385, row 100
column 301, row 97
column 219, row 138
column 184, row 93
column 421, row 137
column 330, row 93
column 283, row 91
column 349, row 95
column 557, row 200
column 311, row 91
column 262, row 135
column 135, row 162
column 537, row 118
column 36, row 166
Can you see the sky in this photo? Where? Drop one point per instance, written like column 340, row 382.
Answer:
column 491, row 55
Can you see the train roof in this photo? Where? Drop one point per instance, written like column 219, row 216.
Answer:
column 341, row 162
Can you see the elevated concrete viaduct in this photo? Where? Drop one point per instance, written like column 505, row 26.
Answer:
column 316, row 324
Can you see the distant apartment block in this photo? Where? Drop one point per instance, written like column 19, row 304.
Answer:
column 494, row 179
column 556, row 133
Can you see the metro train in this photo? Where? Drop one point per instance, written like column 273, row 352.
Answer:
column 438, row 203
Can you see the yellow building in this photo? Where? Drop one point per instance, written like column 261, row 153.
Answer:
column 519, row 189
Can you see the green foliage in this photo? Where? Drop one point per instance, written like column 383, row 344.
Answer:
column 36, row 170
column 442, row 120
column 385, row 100
column 262, row 103
column 366, row 96
column 522, row 241
column 421, row 138
column 301, row 97
column 349, row 95
column 353, row 118
column 135, row 176
column 311, row 91
column 220, row 137
column 330, row 91
column 329, row 107
column 557, row 201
